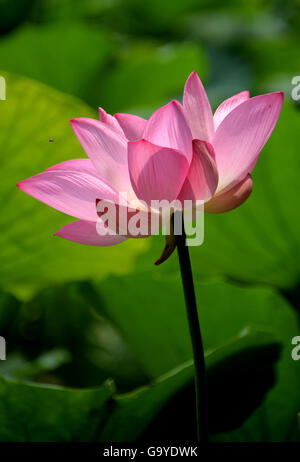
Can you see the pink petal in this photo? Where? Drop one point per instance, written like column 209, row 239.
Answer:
column 168, row 127
column 156, row 173
column 132, row 125
column 197, row 109
column 86, row 165
column 110, row 121
column 202, row 178
column 70, row 188
column 107, row 150
column 242, row 135
column 228, row 105
column 85, row 232
column 82, row 165
column 128, row 221
column 224, row 202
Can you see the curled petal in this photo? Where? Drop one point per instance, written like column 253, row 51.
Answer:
column 87, row 232
column 242, row 134
column 229, row 200
column 168, row 127
column 202, row 178
column 228, row 105
column 133, row 126
column 167, row 251
column 197, row 109
column 170, row 245
column 156, row 173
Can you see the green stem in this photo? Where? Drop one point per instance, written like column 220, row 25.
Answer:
column 195, row 333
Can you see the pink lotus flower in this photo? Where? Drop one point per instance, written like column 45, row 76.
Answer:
column 182, row 152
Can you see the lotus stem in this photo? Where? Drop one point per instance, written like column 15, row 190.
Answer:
column 195, row 333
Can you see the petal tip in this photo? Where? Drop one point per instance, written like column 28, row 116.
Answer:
column 279, row 94
column 246, row 93
column 102, row 113
column 22, row 184
column 75, row 122
column 119, row 115
column 79, row 120
column 60, row 232
column 174, row 102
column 193, row 79
column 193, row 75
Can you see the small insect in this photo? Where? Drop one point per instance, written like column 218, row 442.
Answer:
column 51, row 140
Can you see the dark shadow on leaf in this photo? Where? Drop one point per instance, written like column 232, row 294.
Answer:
column 236, row 387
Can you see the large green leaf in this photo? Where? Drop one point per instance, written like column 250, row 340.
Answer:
column 31, row 412
column 68, row 56
column 151, row 316
column 63, row 317
column 30, row 256
column 165, row 409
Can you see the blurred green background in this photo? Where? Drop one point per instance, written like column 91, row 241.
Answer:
column 97, row 341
